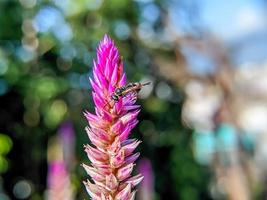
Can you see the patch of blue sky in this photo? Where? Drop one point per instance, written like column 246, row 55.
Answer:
column 227, row 20
column 231, row 20
column 240, row 24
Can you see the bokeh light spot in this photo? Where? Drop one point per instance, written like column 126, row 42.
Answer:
column 94, row 4
column 163, row 91
column 45, row 87
column 4, row 197
column 68, row 52
column 25, row 55
column 28, row 28
column 122, row 30
column 75, row 97
column 5, row 144
column 28, row 3
column 3, row 66
column 47, row 18
column 55, row 113
column 151, row 12
column 22, row 189
column 3, row 164
column 31, row 118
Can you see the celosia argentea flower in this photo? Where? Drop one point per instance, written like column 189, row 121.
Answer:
column 111, row 153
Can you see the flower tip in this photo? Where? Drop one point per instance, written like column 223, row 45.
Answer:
column 106, row 39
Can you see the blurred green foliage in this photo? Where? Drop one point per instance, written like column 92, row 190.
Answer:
column 5, row 147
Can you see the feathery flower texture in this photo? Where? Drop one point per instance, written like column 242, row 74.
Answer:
column 111, row 153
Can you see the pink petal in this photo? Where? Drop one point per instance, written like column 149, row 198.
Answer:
column 122, row 82
column 114, row 76
column 107, row 116
column 103, row 168
column 108, row 68
column 133, row 123
column 132, row 158
column 113, row 53
column 130, row 147
column 93, row 120
column 90, row 117
column 130, row 107
column 125, row 193
column 111, row 182
column 99, row 102
column 100, row 184
column 96, row 79
column 100, row 77
column 101, row 134
column 117, row 160
column 135, row 180
column 120, row 69
column 129, row 116
column 92, row 190
column 111, row 88
column 124, row 135
column 129, row 141
column 114, row 148
column 94, row 139
column 97, row 89
column 96, row 154
column 117, row 127
column 125, row 171
column 118, row 107
column 93, row 173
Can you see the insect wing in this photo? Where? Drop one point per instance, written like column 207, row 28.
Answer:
column 129, row 91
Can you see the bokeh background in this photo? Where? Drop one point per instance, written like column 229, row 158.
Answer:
column 203, row 121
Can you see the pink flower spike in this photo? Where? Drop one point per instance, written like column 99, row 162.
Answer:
column 111, row 152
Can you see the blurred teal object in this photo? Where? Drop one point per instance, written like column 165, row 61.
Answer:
column 3, row 87
column 204, row 145
column 226, row 138
column 248, row 141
